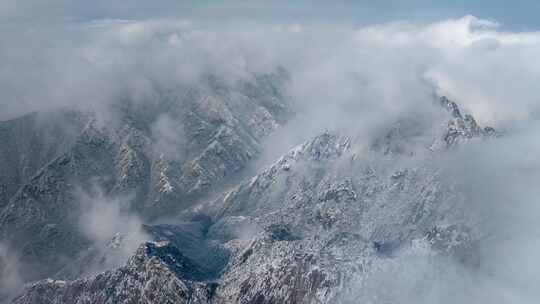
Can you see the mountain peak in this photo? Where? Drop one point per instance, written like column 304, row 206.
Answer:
column 451, row 106
column 462, row 127
column 165, row 254
column 157, row 271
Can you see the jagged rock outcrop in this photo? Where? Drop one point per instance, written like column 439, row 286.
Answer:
column 157, row 273
column 209, row 256
column 462, row 127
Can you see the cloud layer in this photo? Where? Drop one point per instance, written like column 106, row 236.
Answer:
column 352, row 78
column 336, row 71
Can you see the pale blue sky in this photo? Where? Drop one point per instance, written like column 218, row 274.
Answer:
column 514, row 15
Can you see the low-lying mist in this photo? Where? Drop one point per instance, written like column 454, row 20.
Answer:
column 498, row 202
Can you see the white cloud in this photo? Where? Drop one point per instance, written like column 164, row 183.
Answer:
column 387, row 67
column 113, row 229
column 170, row 137
column 341, row 77
column 10, row 273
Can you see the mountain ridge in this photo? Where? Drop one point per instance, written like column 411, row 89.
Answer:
column 325, row 215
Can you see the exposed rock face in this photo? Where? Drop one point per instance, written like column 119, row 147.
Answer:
column 462, row 127
column 329, row 213
column 157, row 273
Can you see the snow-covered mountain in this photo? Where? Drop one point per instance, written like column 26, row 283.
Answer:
column 316, row 226
column 151, row 160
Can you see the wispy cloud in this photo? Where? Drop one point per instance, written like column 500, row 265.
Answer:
column 356, row 78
